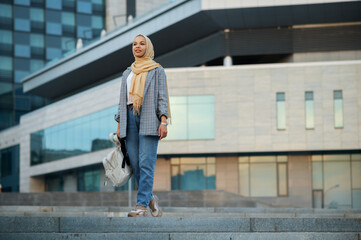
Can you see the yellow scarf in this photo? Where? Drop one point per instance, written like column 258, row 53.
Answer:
column 140, row 67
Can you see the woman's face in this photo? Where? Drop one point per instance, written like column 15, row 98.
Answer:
column 139, row 46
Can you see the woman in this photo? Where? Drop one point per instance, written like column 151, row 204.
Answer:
column 142, row 119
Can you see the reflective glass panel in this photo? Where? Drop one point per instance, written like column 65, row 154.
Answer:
column 244, row 179
column 255, row 159
column 36, row 65
column 53, row 22
column 243, row 159
column 263, row 180
column 316, row 158
column 9, row 168
column 201, row 108
column 355, row 157
column 52, row 4
column 282, row 159
column 84, row 6
column 22, row 19
column 175, row 183
column 6, row 68
column 337, row 188
column 6, row 42
column 281, row 111
column 22, row 2
column 193, row 176
column 22, row 69
column 178, row 129
column 282, row 179
column 22, row 44
column 309, row 110
column 356, row 199
column 317, row 176
column 356, row 174
column 338, row 109
column 336, row 157
column 82, row 135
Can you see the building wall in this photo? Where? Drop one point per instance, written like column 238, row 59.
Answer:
column 162, row 175
column 245, row 112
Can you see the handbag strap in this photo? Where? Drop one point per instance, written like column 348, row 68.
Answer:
column 113, row 137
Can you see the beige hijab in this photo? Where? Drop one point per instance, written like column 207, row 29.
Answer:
column 140, row 67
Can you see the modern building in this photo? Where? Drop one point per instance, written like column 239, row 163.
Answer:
column 265, row 99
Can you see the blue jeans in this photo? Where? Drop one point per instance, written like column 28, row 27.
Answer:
column 142, row 152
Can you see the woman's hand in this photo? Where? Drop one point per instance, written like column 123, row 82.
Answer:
column 162, row 131
column 118, row 131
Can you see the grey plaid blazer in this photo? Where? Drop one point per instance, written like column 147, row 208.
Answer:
column 155, row 103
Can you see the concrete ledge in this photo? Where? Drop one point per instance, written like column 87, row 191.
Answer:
column 178, row 236
column 175, row 225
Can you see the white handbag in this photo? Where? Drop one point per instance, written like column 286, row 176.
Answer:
column 116, row 163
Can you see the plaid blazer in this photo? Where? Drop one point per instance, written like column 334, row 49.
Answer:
column 155, row 103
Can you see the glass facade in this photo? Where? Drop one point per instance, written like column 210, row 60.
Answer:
column 263, row 176
column 338, row 108
column 281, row 111
column 337, row 181
column 198, row 173
column 309, row 110
column 83, row 135
column 35, row 33
column 192, row 118
column 84, row 179
column 9, row 169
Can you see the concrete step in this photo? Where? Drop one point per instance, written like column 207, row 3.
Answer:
column 176, row 225
column 179, row 236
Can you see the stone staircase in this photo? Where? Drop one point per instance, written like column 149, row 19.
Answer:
column 66, row 222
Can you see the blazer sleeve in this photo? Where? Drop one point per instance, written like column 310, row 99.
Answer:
column 162, row 105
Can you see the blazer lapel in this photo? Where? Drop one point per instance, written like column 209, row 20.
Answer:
column 148, row 80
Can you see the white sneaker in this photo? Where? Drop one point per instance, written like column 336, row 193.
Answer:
column 139, row 211
column 154, row 207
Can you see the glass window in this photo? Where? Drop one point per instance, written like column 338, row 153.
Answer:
column 9, row 168
column 22, row 2
column 6, row 68
column 84, row 29
column 6, row 96
column 22, row 69
column 97, row 22
column 337, row 185
column 22, row 44
column 244, row 179
column 317, row 175
column 22, row 19
column 67, row 44
column 37, row 19
column 68, row 23
column 89, row 180
column 53, row 22
column 281, row 111
column 98, row 7
column 356, row 174
column 263, row 179
column 262, row 159
column 36, row 65
column 22, row 103
column 193, row 174
column 282, row 179
column 37, row 3
column 201, row 108
column 53, row 47
column 356, row 198
column 54, row 183
column 338, row 108
column 69, row 5
column 37, row 45
column 73, row 138
column 309, row 110
column 84, row 6
column 6, row 42
column 6, row 16
column 53, row 4
column 6, row 116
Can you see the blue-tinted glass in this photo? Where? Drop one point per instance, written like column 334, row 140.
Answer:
column 22, row 69
column 37, row 45
column 6, row 11
column 37, row 14
column 178, row 129
column 22, row 103
column 53, row 47
column 9, row 168
column 97, row 22
column 201, row 108
column 53, row 22
column 84, row 29
column 6, row 42
column 22, row 19
column 22, row 2
column 6, row 68
column 89, row 180
column 193, row 177
column 72, row 138
column 6, row 16
column 6, row 96
column 338, row 109
column 281, row 111
column 36, row 65
column 309, row 110
column 98, row 6
column 68, row 44
column 52, row 4
column 68, row 22
column 69, row 4
column 84, row 6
